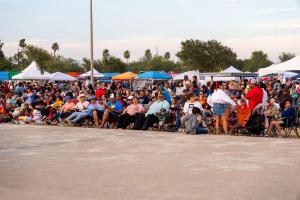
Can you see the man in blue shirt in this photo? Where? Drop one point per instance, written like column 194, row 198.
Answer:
column 112, row 109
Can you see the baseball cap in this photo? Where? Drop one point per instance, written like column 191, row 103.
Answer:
column 130, row 98
column 93, row 97
column 112, row 96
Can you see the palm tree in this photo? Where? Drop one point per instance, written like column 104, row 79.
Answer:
column 1, row 52
column 105, row 54
column 167, row 55
column 1, row 45
column 148, row 55
column 127, row 55
column 22, row 44
column 55, row 48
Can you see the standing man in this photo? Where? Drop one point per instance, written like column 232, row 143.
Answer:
column 255, row 94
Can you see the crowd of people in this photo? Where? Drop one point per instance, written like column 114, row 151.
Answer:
column 259, row 106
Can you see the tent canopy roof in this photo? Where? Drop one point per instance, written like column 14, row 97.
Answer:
column 59, row 76
column 231, row 69
column 125, row 76
column 154, row 75
column 95, row 74
column 32, row 72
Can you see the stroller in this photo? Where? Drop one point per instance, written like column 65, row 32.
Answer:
column 256, row 123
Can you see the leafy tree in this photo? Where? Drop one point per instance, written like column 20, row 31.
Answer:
column 284, row 56
column 105, row 54
column 1, row 45
column 55, row 48
column 127, row 55
column 205, row 56
column 148, row 55
column 258, row 60
column 41, row 56
column 167, row 55
column 113, row 64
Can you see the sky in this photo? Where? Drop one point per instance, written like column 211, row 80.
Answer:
column 160, row 25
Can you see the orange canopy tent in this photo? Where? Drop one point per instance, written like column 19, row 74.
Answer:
column 125, row 76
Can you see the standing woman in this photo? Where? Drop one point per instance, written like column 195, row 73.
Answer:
column 220, row 102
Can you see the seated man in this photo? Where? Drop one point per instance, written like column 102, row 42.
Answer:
column 112, row 109
column 130, row 113
column 155, row 112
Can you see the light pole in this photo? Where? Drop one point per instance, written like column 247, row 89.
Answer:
column 92, row 43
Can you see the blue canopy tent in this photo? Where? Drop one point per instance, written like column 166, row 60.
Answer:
column 4, row 76
column 108, row 76
column 154, row 75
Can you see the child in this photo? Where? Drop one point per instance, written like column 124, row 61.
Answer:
column 193, row 122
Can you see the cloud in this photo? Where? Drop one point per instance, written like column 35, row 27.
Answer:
column 281, row 24
column 266, row 11
column 272, row 45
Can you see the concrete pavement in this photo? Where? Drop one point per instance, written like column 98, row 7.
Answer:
column 62, row 163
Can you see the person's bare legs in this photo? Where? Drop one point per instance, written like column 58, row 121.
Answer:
column 272, row 124
column 277, row 126
column 217, row 125
column 104, row 119
column 96, row 119
column 225, row 124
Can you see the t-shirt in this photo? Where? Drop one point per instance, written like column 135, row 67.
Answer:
column 132, row 109
column 188, row 107
column 68, row 106
column 82, row 105
column 144, row 99
column 92, row 107
column 116, row 106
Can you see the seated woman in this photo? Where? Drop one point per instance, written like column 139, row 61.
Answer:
column 66, row 110
column 287, row 118
column 130, row 113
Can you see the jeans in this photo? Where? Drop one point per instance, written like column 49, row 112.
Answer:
column 77, row 116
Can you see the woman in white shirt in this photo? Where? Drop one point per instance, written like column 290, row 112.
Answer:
column 220, row 102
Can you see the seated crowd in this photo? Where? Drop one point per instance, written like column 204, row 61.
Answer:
column 186, row 106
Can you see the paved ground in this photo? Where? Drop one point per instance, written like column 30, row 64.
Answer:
column 56, row 163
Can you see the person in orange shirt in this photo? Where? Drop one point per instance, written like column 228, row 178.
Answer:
column 66, row 110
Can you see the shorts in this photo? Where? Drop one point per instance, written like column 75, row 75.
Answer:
column 113, row 115
column 220, row 109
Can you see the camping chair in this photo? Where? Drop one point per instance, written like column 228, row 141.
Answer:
column 242, row 118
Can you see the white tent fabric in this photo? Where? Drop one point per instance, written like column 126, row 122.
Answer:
column 268, row 70
column 231, row 69
column 95, row 73
column 190, row 74
column 58, row 76
column 290, row 65
column 32, row 72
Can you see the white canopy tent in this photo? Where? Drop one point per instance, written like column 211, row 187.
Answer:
column 231, row 69
column 290, row 65
column 267, row 70
column 190, row 75
column 58, row 76
column 32, row 72
column 95, row 73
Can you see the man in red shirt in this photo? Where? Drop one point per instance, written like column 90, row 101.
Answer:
column 255, row 95
column 101, row 91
